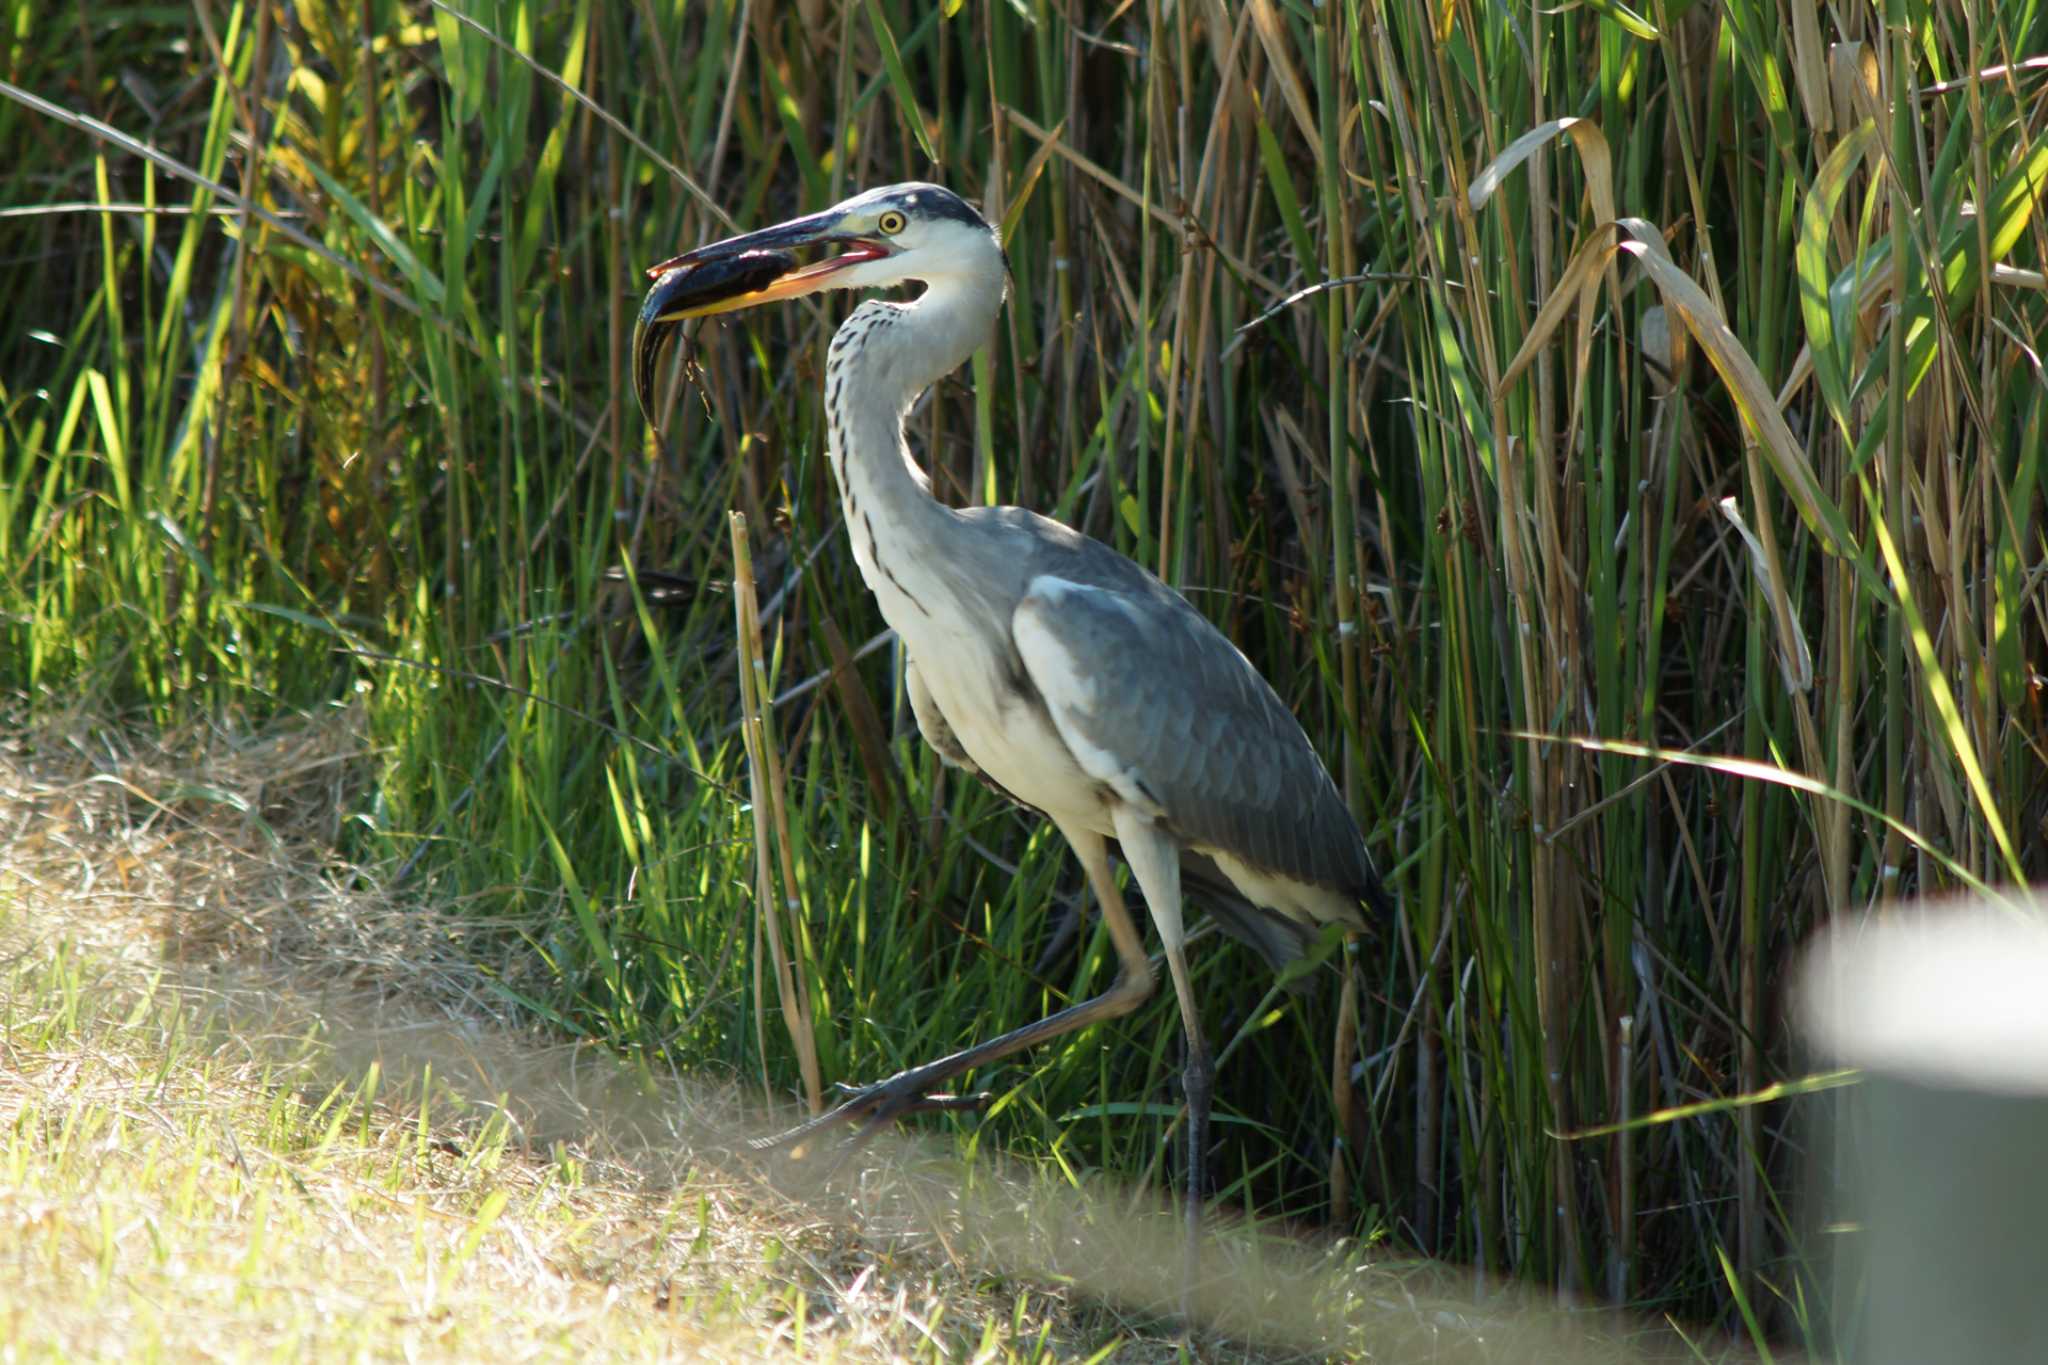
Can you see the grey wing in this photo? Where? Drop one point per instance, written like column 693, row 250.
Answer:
column 1158, row 706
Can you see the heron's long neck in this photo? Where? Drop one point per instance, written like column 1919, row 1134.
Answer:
column 881, row 359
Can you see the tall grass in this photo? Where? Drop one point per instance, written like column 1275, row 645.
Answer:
column 1495, row 377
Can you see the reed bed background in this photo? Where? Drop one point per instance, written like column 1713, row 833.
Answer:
column 1618, row 433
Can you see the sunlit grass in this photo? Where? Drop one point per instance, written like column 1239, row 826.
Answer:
column 225, row 1135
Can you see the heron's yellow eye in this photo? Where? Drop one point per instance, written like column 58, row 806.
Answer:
column 891, row 223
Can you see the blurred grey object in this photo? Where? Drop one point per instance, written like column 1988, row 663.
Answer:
column 1945, row 1144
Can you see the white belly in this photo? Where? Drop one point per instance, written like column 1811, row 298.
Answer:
column 1014, row 743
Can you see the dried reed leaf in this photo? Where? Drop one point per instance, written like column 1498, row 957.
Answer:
column 1745, row 383
column 1594, row 159
column 1586, row 268
column 1810, row 69
column 1795, row 660
column 1665, row 350
column 1853, row 77
column 1581, row 274
column 1279, row 49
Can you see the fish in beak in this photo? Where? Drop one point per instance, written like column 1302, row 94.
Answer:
column 690, row 291
column 740, row 272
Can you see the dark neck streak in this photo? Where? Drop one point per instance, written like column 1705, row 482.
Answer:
column 881, row 359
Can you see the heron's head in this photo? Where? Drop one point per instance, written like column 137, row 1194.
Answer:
column 882, row 237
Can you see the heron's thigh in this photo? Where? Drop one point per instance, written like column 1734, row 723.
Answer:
column 1154, row 857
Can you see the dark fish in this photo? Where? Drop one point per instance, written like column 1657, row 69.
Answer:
column 682, row 288
column 680, row 283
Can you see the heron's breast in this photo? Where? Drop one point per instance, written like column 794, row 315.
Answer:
column 1007, row 733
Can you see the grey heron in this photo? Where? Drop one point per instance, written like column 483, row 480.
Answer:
column 1046, row 663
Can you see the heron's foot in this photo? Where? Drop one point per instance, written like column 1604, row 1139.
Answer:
column 875, row 1107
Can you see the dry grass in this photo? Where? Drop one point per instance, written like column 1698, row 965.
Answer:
column 250, row 1107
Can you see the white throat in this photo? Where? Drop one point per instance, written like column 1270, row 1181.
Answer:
column 884, row 355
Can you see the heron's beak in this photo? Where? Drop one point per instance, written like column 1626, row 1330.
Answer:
column 739, row 272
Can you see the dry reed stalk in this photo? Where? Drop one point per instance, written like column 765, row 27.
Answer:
column 771, row 818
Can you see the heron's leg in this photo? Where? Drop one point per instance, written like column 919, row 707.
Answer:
column 1154, row 857
column 875, row 1105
